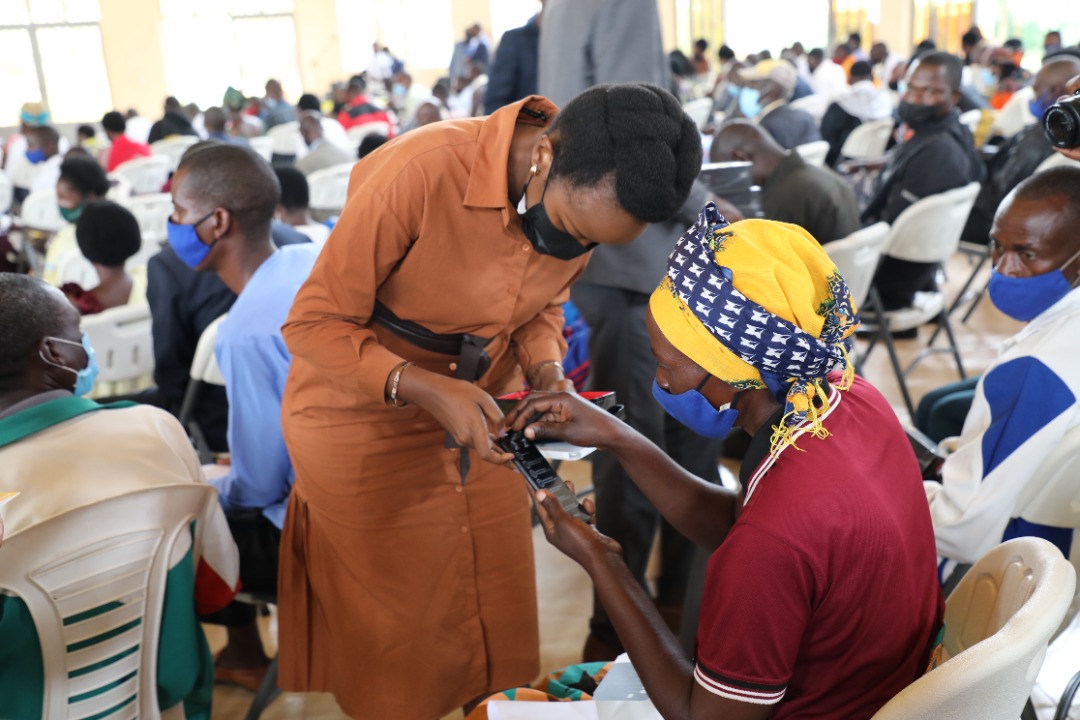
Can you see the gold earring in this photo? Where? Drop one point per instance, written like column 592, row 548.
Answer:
column 534, row 170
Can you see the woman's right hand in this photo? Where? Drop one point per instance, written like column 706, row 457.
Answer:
column 469, row 414
column 567, row 417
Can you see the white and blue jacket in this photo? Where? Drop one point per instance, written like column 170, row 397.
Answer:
column 1024, row 404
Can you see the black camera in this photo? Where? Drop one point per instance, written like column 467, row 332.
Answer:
column 1061, row 123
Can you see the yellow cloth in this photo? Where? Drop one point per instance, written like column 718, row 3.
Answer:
column 758, row 304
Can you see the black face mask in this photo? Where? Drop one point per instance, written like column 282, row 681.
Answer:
column 547, row 239
column 917, row 116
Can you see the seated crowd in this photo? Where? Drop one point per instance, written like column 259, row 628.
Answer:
column 331, row 326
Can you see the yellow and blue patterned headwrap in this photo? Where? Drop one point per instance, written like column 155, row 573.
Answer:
column 758, row 304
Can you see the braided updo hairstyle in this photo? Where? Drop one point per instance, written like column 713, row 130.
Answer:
column 635, row 134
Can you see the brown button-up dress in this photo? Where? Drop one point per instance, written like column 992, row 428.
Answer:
column 404, row 591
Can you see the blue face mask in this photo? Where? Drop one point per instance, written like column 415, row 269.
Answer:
column 85, row 378
column 185, row 241
column 35, row 156
column 749, row 102
column 693, row 410
column 901, row 87
column 1025, row 298
column 1039, row 106
column 733, row 90
column 989, row 80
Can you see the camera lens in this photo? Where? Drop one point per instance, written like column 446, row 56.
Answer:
column 1061, row 124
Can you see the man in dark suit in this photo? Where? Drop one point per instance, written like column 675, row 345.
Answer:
column 512, row 74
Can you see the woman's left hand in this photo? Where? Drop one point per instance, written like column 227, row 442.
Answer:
column 579, row 541
column 548, row 376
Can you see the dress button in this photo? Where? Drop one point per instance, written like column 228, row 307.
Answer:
column 464, row 529
column 453, row 366
column 458, row 488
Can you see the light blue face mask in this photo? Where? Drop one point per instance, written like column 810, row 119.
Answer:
column 750, row 102
column 989, row 80
column 733, row 90
column 85, row 378
column 693, row 410
column 901, row 87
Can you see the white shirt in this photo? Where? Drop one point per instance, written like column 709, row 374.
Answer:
column 865, row 101
column 829, row 81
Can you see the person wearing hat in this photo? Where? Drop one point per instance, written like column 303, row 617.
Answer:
column 764, row 100
column 31, row 115
column 820, row 597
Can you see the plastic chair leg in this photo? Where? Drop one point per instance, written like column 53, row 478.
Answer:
column 943, row 321
column 975, row 303
column 886, row 336
column 960, row 297
column 268, row 692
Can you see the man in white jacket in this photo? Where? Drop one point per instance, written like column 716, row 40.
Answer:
column 1027, row 399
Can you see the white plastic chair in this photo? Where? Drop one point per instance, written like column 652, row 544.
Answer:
column 868, row 140
column 998, row 622
column 96, row 570
column 7, row 192
column 173, row 149
column 204, row 371
column 263, row 146
column 41, row 211
column 74, row 268
column 287, row 140
column 152, row 212
column 122, row 340
column 811, row 103
column 856, row 257
column 358, row 132
column 119, row 188
column 147, row 175
column 814, row 153
column 329, row 188
column 700, row 111
column 928, row 231
column 1056, row 159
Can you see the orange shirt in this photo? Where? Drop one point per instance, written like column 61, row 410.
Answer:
column 428, row 229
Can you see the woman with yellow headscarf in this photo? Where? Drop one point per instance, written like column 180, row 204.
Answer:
column 820, row 596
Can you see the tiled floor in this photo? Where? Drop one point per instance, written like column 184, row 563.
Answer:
column 565, row 594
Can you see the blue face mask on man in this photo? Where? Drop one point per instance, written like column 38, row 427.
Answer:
column 1025, row 298
column 1040, row 105
column 184, row 239
column 85, row 378
column 694, row 410
column 35, row 156
column 750, row 102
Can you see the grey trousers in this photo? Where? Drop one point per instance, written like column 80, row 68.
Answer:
column 620, row 359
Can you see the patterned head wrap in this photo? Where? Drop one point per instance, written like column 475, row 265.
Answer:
column 758, row 304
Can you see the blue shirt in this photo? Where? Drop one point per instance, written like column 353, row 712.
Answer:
column 255, row 362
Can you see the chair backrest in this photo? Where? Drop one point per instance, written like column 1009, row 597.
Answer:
column 928, row 231
column 122, row 340
column 41, row 211
column 119, row 188
column 286, row 138
column 264, row 146
column 146, row 174
column 173, row 148
column 93, row 580
column 73, row 267
column 700, row 111
column 152, row 212
column 204, row 367
column 329, row 188
column 358, row 132
column 7, row 192
column 856, row 257
column 868, row 140
column 1056, row 159
column 814, row 153
column 998, row 622
column 811, row 104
